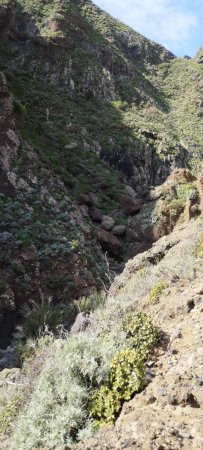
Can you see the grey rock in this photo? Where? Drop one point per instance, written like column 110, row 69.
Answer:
column 119, row 230
column 108, row 223
column 94, row 198
column 133, row 235
column 161, row 392
column 117, row 214
column 130, row 206
column 130, row 191
column 109, row 242
column 81, row 322
column 95, row 214
column 71, row 146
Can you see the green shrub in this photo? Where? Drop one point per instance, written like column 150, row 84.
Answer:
column 127, row 376
column 92, row 302
column 19, row 108
column 186, row 191
column 7, row 414
column 140, row 330
column 176, row 207
column 83, row 304
column 127, row 371
column 120, row 105
column 156, row 291
column 26, row 351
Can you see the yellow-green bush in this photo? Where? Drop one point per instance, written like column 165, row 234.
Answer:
column 127, row 376
column 127, row 370
column 156, row 291
column 141, row 332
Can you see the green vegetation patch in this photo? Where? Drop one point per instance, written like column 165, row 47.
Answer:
column 127, row 376
column 156, row 291
column 41, row 316
column 127, row 371
column 7, row 414
column 186, row 191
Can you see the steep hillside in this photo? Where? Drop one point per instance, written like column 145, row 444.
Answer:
column 144, row 343
column 102, row 86
column 45, row 243
column 101, row 149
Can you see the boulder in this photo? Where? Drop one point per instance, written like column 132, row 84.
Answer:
column 108, row 223
column 71, row 146
column 109, row 242
column 134, row 234
column 131, row 206
column 117, row 214
column 95, row 214
column 83, row 199
column 135, row 248
column 80, row 324
column 119, row 230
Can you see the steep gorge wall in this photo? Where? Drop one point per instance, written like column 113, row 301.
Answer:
column 95, row 60
column 45, row 244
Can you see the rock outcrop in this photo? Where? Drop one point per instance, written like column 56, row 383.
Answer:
column 110, row 243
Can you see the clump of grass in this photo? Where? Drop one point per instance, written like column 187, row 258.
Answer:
column 92, row 302
column 40, row 317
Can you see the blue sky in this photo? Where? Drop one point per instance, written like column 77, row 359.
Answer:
column 178, row 25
